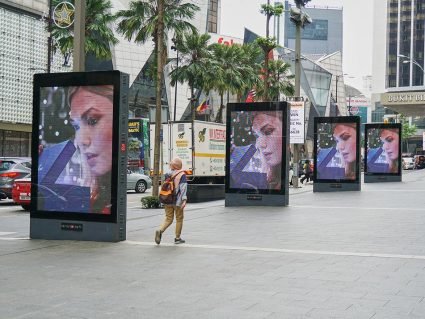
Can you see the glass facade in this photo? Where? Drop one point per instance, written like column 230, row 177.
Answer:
column 212, row 16
column 405, row 51
column 14, row 143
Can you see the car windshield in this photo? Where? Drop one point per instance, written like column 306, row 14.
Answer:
column 6, row 165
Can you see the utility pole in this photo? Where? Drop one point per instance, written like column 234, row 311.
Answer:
column 79, row 36
column 300, row 19
column 295, row 181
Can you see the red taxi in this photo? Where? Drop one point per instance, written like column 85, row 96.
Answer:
column 21, row 192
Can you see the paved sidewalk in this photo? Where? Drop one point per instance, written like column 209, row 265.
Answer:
column 326, row 255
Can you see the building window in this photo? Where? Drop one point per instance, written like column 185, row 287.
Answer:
column 212, row 16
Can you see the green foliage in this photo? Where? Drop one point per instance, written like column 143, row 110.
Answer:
column 99, row 36
column 272, row 10
column 151, row 202
column 407, row 130
column 280, row 81
column 266, row 44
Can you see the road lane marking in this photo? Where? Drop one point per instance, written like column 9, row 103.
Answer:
column 279, row 250
column 359, row 208
column 14, row 238
column 5, row 233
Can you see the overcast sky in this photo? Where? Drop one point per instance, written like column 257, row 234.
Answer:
column 357, row 30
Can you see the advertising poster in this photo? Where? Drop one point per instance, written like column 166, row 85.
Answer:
column 337, row 149
column 135, row 148
column 210, row 148
column 181, row 143
column 297, row 120
column 256, row 150
column 75, row 149
column 383, row 149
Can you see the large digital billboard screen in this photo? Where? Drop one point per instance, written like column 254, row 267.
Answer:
column 383, row 149
column 76, row 146
column 75, row 149
column 336, row 149
column 256, row 149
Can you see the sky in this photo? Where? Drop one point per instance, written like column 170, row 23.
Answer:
column 357, row 30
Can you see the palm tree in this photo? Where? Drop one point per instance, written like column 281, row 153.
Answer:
column 195, row 63
column 99, row 36
column 267, row 43
column 152, row 19
column 251, row 59
column 280, row 81
column 229, row 72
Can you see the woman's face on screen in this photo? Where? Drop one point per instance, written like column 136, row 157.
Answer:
column 346, row 142
column 268, row 131
column 390, row 142
column 91, row 115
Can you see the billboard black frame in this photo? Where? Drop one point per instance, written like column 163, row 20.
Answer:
column 321, row 185
column 376, row 177
column 259, row 197
column 119, row 140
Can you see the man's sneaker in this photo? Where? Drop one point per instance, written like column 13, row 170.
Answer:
column 179, row 241
column 158, row 235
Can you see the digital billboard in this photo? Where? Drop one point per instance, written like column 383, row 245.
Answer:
column 337, row 149
column 382, row 149
column 256, row 152
column 79, row 146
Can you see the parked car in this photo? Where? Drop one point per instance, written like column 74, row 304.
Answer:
column 139, row 182
column 11, row 169
column 21, row 192
column 407, row 162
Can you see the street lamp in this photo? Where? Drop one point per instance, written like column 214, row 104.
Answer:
column 408, row 59
column 174, row 48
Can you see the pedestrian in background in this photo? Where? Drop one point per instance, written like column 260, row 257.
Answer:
column 307, row 172
column 177, row 208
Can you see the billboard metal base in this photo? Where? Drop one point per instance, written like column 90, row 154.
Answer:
column 232, row 199
column 54, row 229
column 381, row 179
column 336, row 187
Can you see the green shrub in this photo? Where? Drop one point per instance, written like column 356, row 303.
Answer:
column 151, row 202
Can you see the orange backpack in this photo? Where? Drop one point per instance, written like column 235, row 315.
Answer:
column 167, row 194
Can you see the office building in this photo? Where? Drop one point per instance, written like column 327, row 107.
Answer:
column 322, row 36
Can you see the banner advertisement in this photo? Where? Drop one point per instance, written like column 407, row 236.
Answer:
column 297, row 122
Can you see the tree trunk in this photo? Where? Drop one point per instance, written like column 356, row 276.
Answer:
column 219, row 118
column 266, row 60
column 159, row 73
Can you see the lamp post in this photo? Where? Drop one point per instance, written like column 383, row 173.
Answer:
column 408, row 59
column 174, row 48
column 300, row 19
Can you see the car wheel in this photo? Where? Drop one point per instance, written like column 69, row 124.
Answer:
column 140, row 187
column 26, row 207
